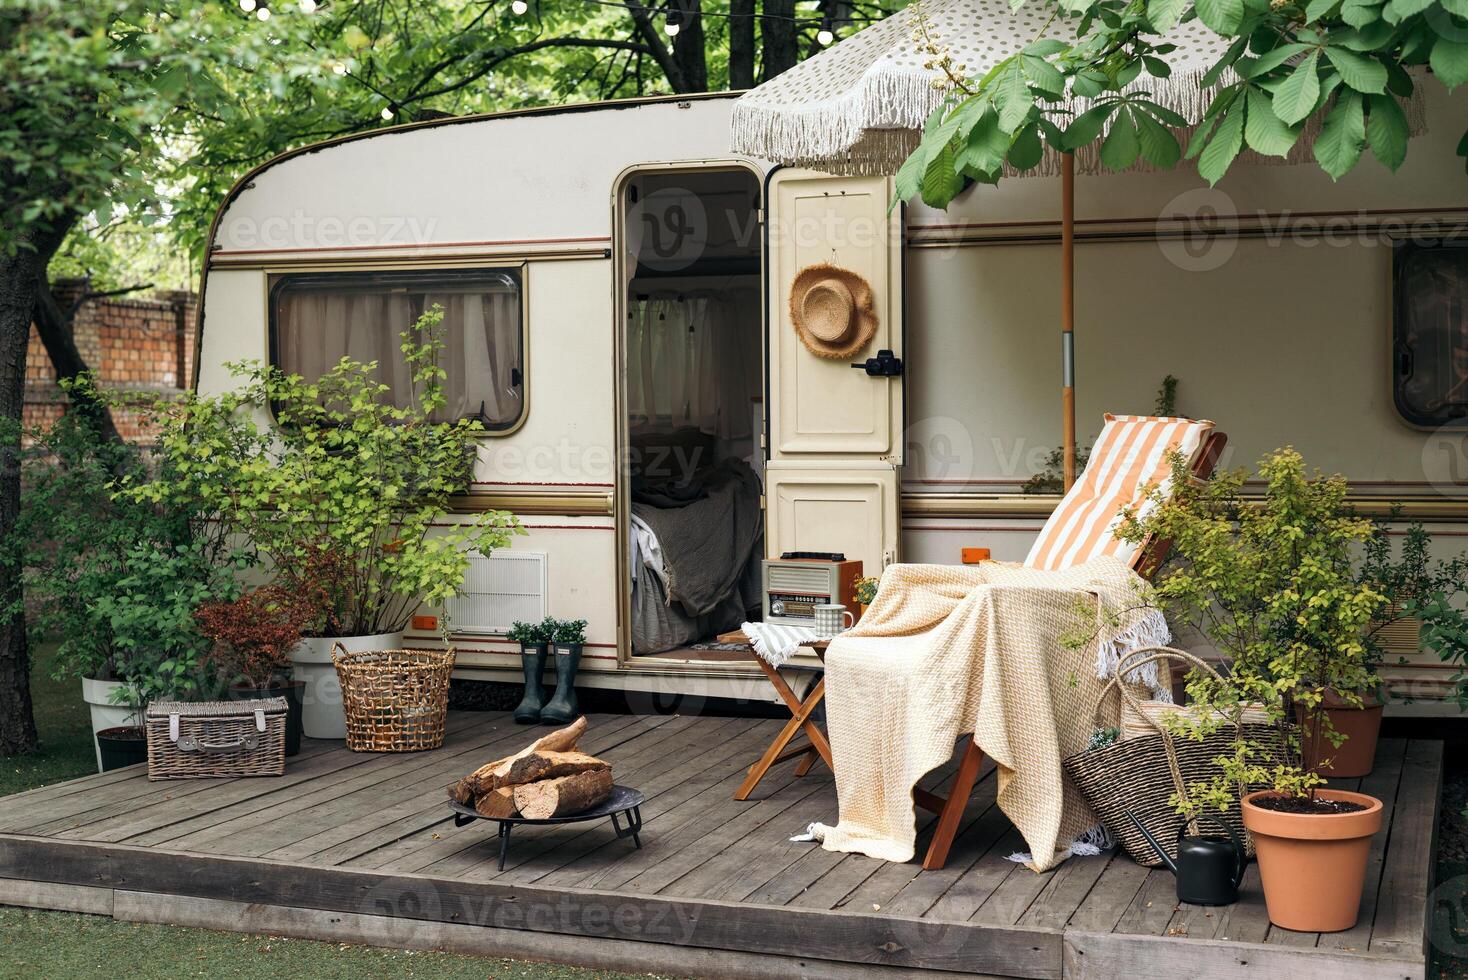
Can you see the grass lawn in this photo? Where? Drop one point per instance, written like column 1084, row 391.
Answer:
column 63, row 944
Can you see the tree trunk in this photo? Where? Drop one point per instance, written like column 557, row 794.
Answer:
column 19, row 275
column 54, row 326
column 741, row 44
column 780, row 40
column 688, row 48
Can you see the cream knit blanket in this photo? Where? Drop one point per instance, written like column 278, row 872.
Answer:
column 947, row 650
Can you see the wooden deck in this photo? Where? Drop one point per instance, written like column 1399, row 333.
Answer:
column 361, row 848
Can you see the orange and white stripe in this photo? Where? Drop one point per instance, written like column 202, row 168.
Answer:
column 1130, row 457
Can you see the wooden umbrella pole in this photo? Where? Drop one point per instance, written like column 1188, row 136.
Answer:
column 1068, row 312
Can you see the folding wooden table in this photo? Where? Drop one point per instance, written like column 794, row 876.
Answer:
column 801, row 717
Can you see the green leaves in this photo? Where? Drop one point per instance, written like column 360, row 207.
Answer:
column 1224, row 146
column 1296, row 96
column 1159, row 146
column 1343, row 136
column 1264, row 131
column 1165, row 14
column 1358, row 71
column 1450, row 61
column 1386, row 130
column 1222, row 16
column 1122, row 145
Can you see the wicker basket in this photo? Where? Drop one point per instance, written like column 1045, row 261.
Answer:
column 395, row 700
column 216, row 739
column 1137, row 775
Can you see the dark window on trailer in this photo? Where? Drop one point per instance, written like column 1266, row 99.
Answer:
column 317, row 319
column 1430, row 332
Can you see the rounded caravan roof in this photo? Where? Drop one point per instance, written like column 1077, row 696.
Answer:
column 538, row 175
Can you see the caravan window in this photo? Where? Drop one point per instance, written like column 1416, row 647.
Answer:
column 1430, row 333
column 317, row 319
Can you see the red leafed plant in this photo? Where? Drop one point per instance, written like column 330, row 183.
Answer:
column 254, row 634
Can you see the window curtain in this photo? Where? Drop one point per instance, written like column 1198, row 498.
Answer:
column 482, row 352
column 693, row 362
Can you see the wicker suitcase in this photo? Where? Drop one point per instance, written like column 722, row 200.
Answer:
column 216, row 739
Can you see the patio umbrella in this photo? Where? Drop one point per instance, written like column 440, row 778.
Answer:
column 858, row 108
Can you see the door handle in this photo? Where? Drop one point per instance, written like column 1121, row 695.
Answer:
column 885, row 365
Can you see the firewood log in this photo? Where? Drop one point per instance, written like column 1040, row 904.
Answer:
column 485, row 778
column 547, row 765
column 563, row 796
column 497, row 803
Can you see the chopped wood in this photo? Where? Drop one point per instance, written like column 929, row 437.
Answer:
column 487, row 776
column 497, row 803
column 563, row 796
column 548, row 765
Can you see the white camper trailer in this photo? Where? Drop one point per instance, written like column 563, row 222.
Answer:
column 617, row 285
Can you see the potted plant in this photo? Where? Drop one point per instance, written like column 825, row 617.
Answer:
column 567, row 638
column 253, row 637
column 1272, row 585
column 534, row 640
column 343, row 494
column 864, row 592
column 112, row 579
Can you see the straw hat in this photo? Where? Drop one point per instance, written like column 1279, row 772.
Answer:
column 832, row 310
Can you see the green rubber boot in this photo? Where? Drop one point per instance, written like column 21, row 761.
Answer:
column 562, row 708
column 532, row 659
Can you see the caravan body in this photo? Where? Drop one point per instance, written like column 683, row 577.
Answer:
column 1271, row 298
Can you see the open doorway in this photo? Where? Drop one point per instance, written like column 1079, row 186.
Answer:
column 694, row 377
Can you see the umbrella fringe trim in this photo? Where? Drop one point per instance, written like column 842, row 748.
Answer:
column 846, row 137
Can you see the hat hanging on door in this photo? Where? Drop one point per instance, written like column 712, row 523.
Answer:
column 833, row 310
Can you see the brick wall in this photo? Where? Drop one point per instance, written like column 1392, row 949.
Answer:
column 142, row 342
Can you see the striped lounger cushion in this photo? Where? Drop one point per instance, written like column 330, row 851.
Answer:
column 1130, row 456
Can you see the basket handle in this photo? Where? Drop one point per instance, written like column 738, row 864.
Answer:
column 1131, row 662
column 336, row 658
column 248, row 742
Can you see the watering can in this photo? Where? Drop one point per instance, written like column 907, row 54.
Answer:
column 1208, row 869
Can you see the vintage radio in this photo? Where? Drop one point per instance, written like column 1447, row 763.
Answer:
column 796, row 582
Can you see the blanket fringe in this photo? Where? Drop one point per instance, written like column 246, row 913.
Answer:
column 1089, row 844
column 1150, row 630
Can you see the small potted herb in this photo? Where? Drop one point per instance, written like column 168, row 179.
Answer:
column 864, row 592
column 253, row 637
column 567, row 638
column 534, row 640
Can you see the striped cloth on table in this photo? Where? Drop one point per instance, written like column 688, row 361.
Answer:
column 1130, row 455
column 776, row 644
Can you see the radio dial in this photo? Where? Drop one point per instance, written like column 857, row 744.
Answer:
column 777, row 607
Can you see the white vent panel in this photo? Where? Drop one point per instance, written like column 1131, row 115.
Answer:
column 498, row 590
column 793, row 578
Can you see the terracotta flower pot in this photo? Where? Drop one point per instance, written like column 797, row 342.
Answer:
column 1313, row 865
column 1356, row 755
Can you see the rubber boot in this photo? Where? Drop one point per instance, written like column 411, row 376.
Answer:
column 532, row 659
column 562, row 708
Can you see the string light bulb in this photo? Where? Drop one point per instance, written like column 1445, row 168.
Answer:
column 674, row 23
column 263, row 14
column 825, row 36
column 519, row 7
column 308, row 6
column 386, row 113
column 247, row 5
column 339, row 67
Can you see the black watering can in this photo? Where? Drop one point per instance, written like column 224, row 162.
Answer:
column 1208, row 869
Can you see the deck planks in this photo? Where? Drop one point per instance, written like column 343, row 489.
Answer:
column 338, row 819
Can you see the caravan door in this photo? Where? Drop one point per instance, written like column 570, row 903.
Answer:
column 835, row 430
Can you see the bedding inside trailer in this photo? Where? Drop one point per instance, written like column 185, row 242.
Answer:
column 692, row 373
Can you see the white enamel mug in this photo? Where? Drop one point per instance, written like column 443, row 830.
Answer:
column 833, row 618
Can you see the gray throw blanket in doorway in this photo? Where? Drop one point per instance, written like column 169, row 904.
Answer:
column 707, row 543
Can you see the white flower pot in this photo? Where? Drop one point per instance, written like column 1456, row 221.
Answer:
column 106, row 714
column 321, row 706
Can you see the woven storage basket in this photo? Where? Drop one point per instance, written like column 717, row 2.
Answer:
column 214, row 739
column 1137, row 774
column 395, row 700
